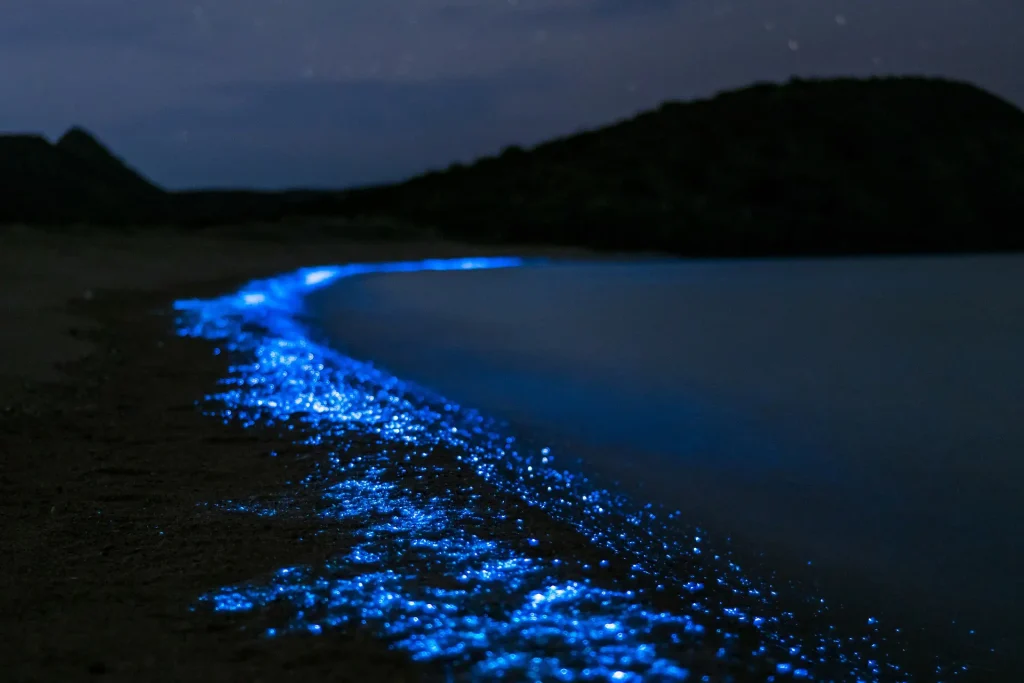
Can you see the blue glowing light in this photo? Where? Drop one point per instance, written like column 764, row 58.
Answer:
column 435, row 566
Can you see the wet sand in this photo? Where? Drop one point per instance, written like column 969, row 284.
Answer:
column 849, row 422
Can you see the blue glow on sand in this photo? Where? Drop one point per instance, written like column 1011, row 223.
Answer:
column 458, row 545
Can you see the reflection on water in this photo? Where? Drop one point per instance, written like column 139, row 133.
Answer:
column 459, row 545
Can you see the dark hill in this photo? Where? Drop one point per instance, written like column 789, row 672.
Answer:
column 845, row 165
column 77, row 180
column 74, row 181
column 85, row 149
column 808, row 167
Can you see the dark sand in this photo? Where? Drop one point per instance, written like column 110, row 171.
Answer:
column 860, row 414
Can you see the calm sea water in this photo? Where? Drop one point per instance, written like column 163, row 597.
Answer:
column 855, row 423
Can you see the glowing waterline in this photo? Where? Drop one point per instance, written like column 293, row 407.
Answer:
column 432, row 567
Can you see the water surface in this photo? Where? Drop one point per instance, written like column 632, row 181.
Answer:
column 855, row 422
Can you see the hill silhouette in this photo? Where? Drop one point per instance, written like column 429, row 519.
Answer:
column 75, row 180
column 87, row 150
column 825, row 166
column 882, row 165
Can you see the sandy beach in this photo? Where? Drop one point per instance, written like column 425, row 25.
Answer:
column 109, row 471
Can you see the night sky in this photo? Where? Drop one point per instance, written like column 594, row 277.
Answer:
column 285, row 93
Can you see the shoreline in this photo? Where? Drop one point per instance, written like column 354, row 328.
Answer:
column 288, row 374
column 107, row 460
column 43, row 270
column 540, row 348
column 110, row 548
column 106, row 543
